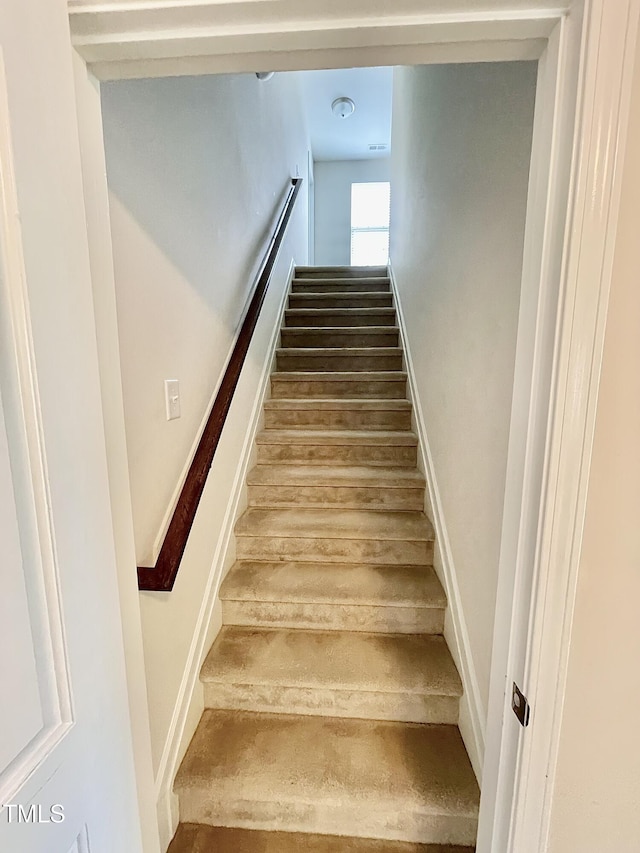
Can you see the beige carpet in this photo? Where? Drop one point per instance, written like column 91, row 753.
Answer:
column 331, row 697
column 192, row 838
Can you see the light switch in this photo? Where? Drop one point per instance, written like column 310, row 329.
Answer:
column 172, row 398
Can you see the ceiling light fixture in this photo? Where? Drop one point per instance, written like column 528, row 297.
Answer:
column 265, row 75
column 343, row 107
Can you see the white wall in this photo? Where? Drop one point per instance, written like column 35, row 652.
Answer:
column 596, row 805
column 333, row 179
column 460, row 157
column 197, row 169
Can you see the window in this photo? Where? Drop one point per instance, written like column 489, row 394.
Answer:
column 370, row 204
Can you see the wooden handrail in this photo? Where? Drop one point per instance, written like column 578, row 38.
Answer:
column 162, row 576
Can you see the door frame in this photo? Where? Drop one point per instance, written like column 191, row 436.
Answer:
column 584, row 85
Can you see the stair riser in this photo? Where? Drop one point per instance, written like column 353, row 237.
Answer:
column 303, row 319
column 365, row 285
column 334, row 617
column 330, row 702
column 337, row 389
column 329, row 362
column 339, row 338
column 376, row 551
column 351, row 817
column 334, row 496
column 339, row 300
column 331, row 454
column 336, row 419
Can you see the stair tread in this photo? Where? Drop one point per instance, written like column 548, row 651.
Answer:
column 340, row 285
column 333, row 279
column 329, row 475
column 385, row 766
column 322, row 352
column 332, row 583
column 309, row 295
column 341, row 311
column 347, row 269
column 347, row 330
column 199, row 838
column 337, row 437
column 327, row 404
column 312, row 523
column 341, row 660
column 340, row 376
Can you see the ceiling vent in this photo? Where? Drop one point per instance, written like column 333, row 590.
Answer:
column 377, row 146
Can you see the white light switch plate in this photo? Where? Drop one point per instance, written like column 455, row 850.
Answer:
column 172, row 398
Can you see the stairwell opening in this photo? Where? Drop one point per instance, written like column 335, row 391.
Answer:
column 353, row 602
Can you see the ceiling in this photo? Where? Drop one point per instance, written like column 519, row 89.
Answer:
column 348, row 139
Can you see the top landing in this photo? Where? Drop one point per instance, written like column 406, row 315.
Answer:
column 341, row 272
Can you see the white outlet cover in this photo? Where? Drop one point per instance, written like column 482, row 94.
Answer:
column 172, row 398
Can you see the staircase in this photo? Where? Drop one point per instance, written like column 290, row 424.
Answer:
column 331, row 696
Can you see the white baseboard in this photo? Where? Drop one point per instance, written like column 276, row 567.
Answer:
column 472, row 715
column 189, row 703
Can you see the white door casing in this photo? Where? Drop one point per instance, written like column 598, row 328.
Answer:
column 605, row 79
column 547, row 202
column 66, row 772
column 583, row 96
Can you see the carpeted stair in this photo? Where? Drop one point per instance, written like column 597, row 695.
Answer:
column 331, row 696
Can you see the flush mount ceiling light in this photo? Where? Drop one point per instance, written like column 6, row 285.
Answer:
column 343, row 107
column 265, row 75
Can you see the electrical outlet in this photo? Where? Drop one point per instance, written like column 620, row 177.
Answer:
column 172, row 398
